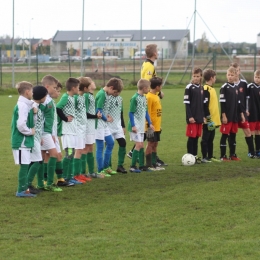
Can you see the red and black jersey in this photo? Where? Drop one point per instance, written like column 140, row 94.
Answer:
column 193, row 99
column 253, row 91
column 229, row 102
column 242, row 96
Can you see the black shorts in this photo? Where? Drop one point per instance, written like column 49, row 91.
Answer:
column 155, row 138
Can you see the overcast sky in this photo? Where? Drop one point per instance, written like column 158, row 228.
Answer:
column 229, row 20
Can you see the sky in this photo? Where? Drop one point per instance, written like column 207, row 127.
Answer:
column 221, row 20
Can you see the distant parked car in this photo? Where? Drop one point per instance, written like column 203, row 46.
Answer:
column 87, row 58
column 54, row 58
column 64, row 58
column 75, row 58
column 22, row 59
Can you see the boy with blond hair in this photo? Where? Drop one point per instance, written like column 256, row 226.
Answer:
column 136, row 126
column 22, row 132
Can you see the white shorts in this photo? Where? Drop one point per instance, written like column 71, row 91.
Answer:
column 68, row 141
column 137, row 137
column 48, row 142
column 89, row 139
column 80, row 142
column 36, row 154
column 100, row 134
column 57, row 145
column 119, row 134
column 22, row 156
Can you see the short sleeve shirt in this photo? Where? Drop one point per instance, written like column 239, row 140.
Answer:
column 101, row 102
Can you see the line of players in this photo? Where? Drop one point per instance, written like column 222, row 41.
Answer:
column 239, row 108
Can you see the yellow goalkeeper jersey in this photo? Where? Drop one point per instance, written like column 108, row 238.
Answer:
column 148, row 70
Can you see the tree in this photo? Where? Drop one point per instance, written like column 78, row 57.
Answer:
column 203, row 45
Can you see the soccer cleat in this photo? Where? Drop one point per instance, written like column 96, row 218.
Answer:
column 257, row 153
column 25, row 194
column 205, row 160
column 95, row 175
column 78, row 178
column 74, row 181
column 52, row 187
column 129, row 155
column 33, row 190
column 121, row 169
column 214, row 159
column 63, row 183
column 225, row 159
column 86, row 177
column 252, row 156
column 159, row 162
column 198, row 160
column 146, row 169
column 234, row 157
column 134, row 169
column 158, row 168
column 105, row 174
column 109, row 171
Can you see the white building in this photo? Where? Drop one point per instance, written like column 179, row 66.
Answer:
column 121, row 43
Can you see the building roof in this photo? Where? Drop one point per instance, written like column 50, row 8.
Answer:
column 134, row 35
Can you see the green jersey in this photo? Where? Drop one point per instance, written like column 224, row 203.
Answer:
column 90, row 108
column 22, row 124
column 102, row 104
column 81, row 115
column 115, row 107
column 49, row 111
column 138, row 106
column 38, row 122
column 67, row 104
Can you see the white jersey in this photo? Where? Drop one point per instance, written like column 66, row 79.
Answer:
column 81, row 116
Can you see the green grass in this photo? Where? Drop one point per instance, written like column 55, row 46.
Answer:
column 199, row 212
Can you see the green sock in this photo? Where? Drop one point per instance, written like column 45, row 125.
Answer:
column 141, row 157
column 51, row 170
column 32, row 172
column 40, row 176
column 65, row 166
column 45, row 168
column 22, row 177
column 76, row 166
column 59, row 170
column 121, row 155
column 154, row 158
column 83, row 163
column 135, row 156
column 90, row 161
column 69, row 171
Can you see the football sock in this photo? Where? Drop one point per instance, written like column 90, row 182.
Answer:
column 32, row 171
column 190, row 144
column 40, row 175
column 141, row 157
column 250, row 144
column 90, row 161
column 83, row 163
column 121, row 155
column 76, row 166
column 149, row 160
column 22, row 177
column 223, row 145
column 51, row 170
column 65, row 166
column 257, row 142
column 195, row 146
column 135, row 156
column 108, row 151
column 154, row 158
column 45, row 166
column 99, row 154
column 232, row 143
column 59, row 170
column 70, row 170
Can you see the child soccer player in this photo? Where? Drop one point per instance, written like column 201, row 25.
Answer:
column 113, row 86
column 67, row 129
column 49, row 132
column 39, row 96
column 211, row 112
column 22, row 132
column 117, row 127
column 254, row 111
column 155, row 112
column 193, row 100
column 89, row 86
column 137, row 115
column 229, row 103
column 243, row 97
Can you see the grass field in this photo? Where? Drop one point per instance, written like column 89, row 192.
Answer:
column 200, row 212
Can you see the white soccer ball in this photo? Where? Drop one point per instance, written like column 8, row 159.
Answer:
column 188, row 159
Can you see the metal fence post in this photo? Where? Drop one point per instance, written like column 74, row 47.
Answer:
column 69, row 62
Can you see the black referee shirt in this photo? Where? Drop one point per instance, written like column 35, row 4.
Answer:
column 193, row 99
column 242, row 96
column 253, row 91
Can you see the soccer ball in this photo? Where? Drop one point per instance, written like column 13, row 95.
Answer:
column 188, row 159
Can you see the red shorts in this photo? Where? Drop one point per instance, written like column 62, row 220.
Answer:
column 194, row 130
column 244, row 125
column 228, row 128
column 254, row 126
